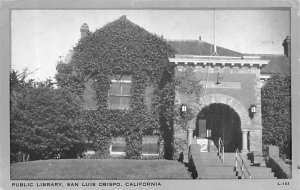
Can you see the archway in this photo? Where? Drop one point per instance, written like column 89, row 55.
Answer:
column 222, row 121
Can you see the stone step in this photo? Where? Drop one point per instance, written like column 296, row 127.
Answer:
column 259, row 168
column 216, row 169
column 232, row 160
column 226, row 173
column 210, row 166
column 267, row 176
column 212, row 155
column 258, row 174
column 271, row 174
column 263, row 177
column 217, row 177
column 226, row 157
column 215, row 166
column 220, row 163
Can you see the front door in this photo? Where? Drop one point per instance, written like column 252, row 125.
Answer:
column 220, row 120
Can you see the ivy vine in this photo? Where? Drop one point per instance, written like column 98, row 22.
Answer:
column 120, row 48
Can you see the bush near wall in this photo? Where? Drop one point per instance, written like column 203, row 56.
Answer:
column 276, row 113
column 122, row 48
column 43, row 120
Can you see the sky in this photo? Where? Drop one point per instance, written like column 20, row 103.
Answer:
column 40, row 37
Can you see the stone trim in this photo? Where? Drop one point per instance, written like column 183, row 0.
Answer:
column 227, row 85
column 232, row 62
column 230, row 101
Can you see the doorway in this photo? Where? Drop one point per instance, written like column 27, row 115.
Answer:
column 220, row 120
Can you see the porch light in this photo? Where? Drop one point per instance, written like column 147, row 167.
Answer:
column 183, row 110
column 253, row 108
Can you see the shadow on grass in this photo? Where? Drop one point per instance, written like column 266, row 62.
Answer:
column 191, row 169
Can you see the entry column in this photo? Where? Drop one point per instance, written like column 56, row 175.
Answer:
column 190, row 137
column 245, row 141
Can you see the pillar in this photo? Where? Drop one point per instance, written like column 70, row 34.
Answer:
column 256, row 141
column 189, row 136
column 245, row 141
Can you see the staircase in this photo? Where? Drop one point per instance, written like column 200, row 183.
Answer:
column 208, row 165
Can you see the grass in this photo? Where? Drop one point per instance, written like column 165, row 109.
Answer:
column 98, row 169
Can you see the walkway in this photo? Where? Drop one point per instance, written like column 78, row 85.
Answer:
column 207, row 165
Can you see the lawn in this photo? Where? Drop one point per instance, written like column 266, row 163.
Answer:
column 99, row 169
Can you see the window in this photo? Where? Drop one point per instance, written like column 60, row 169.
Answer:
column 119, row 94
column 89, row 96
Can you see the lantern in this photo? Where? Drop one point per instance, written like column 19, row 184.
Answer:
column 183, row 110
column 253, row 108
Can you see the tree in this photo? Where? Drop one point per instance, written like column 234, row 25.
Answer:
column 43, row 119
column 276, row 113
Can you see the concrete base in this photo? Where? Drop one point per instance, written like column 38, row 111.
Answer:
column 257, row 158
column 244, row 151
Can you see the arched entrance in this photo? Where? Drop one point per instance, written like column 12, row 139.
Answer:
column 220, row 120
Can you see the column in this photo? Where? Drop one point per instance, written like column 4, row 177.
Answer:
column 189, row 137
column 245, row 141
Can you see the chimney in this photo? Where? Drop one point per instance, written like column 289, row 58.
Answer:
column 199, row 38
column 84, row 29
column 123, row 17
column 287, row 46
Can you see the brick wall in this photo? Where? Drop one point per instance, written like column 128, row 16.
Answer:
column 239, row 88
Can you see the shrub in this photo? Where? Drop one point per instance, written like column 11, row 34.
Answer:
column 276, row 113
column 43, row 120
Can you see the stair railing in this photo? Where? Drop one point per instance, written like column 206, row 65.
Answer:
column 221, row 148
column 240, row 164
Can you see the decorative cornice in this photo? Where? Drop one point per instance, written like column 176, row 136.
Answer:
column 219, row 61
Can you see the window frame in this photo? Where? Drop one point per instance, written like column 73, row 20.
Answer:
column 84, row 106
column 121, row 95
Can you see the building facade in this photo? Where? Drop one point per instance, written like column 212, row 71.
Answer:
column 229, row 105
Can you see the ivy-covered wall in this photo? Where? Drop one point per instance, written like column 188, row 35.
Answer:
column 117, row 49
column 276, row 113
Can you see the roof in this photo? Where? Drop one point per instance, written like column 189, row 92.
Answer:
column 121, row 46
column 277, row 63
column 199, row 47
